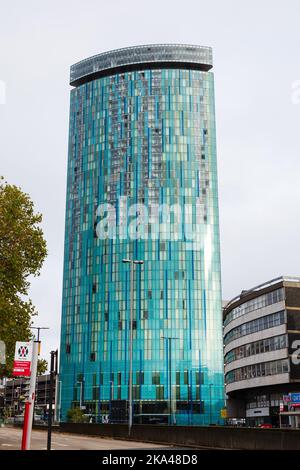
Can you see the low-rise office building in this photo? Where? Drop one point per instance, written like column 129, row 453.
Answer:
column 262, row 354
column 16, row 392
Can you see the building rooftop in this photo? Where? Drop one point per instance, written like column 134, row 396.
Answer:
column 139, row 58
column 258, row 290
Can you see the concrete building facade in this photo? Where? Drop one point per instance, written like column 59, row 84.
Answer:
column 262, row 354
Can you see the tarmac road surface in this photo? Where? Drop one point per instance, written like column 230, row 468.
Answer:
column 10, row 439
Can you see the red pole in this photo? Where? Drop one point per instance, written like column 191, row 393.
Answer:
column 25, row 426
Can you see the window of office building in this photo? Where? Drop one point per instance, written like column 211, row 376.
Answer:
column 257, row 347
column 263, row 323
column 257, row 370
column 255, row 304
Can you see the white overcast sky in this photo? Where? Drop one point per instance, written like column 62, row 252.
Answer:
column 256, row 63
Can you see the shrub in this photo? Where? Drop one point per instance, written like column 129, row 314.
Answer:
column 76, row 415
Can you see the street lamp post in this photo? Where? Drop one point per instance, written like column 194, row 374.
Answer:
column 53, row 373
column 131, row 263
column 39, row 328
column 57, row 399
column 80, row 396
column 169, row 341
column 210, row 404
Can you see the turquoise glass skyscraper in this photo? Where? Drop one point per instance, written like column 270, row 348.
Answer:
column 142, row 186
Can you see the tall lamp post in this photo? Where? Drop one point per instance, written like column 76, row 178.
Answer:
column 210, row 404
column 80, row 396
column 169, row 342
column 57, row 399
column 131, row 264
column 53, row 373
column 39, row 328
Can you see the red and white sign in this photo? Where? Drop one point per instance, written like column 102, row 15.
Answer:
column 23, row 357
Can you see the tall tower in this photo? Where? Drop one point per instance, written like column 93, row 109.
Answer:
column 142, row 185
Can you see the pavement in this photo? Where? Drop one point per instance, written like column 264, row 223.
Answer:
column 10, row 439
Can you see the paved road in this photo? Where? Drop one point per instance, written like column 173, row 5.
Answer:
column 10, row 439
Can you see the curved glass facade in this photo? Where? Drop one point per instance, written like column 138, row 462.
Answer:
column 142, row 185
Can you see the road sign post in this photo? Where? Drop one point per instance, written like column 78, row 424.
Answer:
column 23, row 359
column 28, row 415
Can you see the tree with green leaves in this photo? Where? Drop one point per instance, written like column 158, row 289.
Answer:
column 42, row 366
column 22, row 253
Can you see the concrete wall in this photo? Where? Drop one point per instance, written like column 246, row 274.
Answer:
column 236, row 408
column 196, row 436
